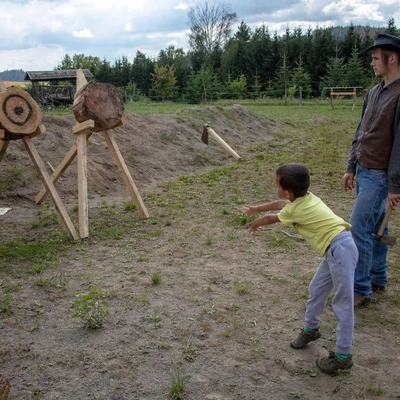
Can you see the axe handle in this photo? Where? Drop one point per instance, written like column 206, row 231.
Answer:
column 224, row 144
column 384, row 222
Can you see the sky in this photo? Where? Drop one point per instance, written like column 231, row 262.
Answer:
column 35, row 35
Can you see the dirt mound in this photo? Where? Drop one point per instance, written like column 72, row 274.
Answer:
column 155, row 148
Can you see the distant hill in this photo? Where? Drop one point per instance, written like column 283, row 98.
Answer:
column 15, row 75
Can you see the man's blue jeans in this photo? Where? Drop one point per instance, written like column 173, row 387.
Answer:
column 366, row 218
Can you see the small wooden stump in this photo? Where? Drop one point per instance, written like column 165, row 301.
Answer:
column 19, row 114
column 100, row 102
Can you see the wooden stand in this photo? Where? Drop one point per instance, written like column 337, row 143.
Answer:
column 37, row 161
column 83, row 131
column 343, row 91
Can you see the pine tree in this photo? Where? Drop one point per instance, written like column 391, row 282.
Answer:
column 301, row 79
column 335, row 72
column 355, row 72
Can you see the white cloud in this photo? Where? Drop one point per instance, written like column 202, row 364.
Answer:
column 123, row 27
column 84, row 33
column 181, row 6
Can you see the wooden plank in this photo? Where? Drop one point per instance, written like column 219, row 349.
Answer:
column 2, row 86
column 126, row 176
column 37, row 161
column 59, row 170
column 3, row 148
column 2, row 134
column 82, row 185
column 41, row 129
column 83, row 126
column 80, row 79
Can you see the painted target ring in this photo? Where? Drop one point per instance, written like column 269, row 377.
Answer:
column 19, row 113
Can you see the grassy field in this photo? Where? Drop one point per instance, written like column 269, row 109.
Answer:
column 198, row 308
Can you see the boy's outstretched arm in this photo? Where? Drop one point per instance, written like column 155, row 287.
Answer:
column 275, row 205
column 267, row 219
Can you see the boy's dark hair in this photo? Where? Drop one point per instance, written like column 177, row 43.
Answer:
column 295, row 178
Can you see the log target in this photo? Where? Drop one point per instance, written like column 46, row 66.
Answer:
column 19, row 113
column 100, row 102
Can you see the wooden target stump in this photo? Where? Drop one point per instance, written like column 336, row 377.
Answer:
column 20, row 118
column 98, row 107
column 19, row 113
column 100, row 102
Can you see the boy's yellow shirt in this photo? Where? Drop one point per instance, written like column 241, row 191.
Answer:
column 314, row 220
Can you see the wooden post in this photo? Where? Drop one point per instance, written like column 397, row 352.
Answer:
column 81, row 131
column 119, row 161
column 3, row 148
column 60, row 169
column 2, row 86
column 50, row 187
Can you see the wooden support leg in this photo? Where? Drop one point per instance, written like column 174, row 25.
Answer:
column 3, row 148
column 37, row 161
column 119, row 161
column 68, row 158
column 82, row 185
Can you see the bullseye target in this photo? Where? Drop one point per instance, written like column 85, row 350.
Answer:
column 19, row 113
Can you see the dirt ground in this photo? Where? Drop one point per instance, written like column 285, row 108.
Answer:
column 228, row 303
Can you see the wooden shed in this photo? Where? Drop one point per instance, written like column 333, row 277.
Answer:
column 53, row 88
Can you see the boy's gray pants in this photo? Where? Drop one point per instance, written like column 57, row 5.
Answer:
column 336, row 271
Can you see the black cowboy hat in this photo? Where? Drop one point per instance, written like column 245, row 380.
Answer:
column 386, row 41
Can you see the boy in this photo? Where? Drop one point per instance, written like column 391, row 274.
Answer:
column 330, row 236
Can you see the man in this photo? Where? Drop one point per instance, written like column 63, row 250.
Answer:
column 375, row 162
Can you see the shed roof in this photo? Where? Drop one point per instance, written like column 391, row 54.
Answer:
column 58, row 75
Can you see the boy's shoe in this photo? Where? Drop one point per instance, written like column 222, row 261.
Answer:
column 305, row 337
column 332, row 364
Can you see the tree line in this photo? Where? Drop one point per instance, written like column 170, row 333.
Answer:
column 222, row 64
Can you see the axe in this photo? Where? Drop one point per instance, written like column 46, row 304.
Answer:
column 208, row 131
column 389, row 240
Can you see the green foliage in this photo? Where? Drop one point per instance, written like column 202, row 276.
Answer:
column 179, row 380
column 91, row 309
column 355, row 72
column 163, row 81
column 14, row 177
column 5, row 304
column 155, row 278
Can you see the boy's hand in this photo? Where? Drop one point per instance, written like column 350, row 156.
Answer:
column 250, row 210
column 253, row 226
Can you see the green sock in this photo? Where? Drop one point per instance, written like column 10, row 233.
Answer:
column 341, row 356
column 308, row 330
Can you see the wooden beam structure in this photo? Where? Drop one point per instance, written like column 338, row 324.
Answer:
column 83, row 131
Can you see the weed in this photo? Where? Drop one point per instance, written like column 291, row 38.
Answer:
column 91, row 309
column 179, row 381
column 375, row 390
column 155, row 278
column 189, row 352
column 130, row 206
column 242, row 287
column 5, row 304
column 155, row 318
column 5, row 388
column 297, row 394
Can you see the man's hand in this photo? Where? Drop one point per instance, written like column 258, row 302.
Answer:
column 394, row 200
column 348, row 181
